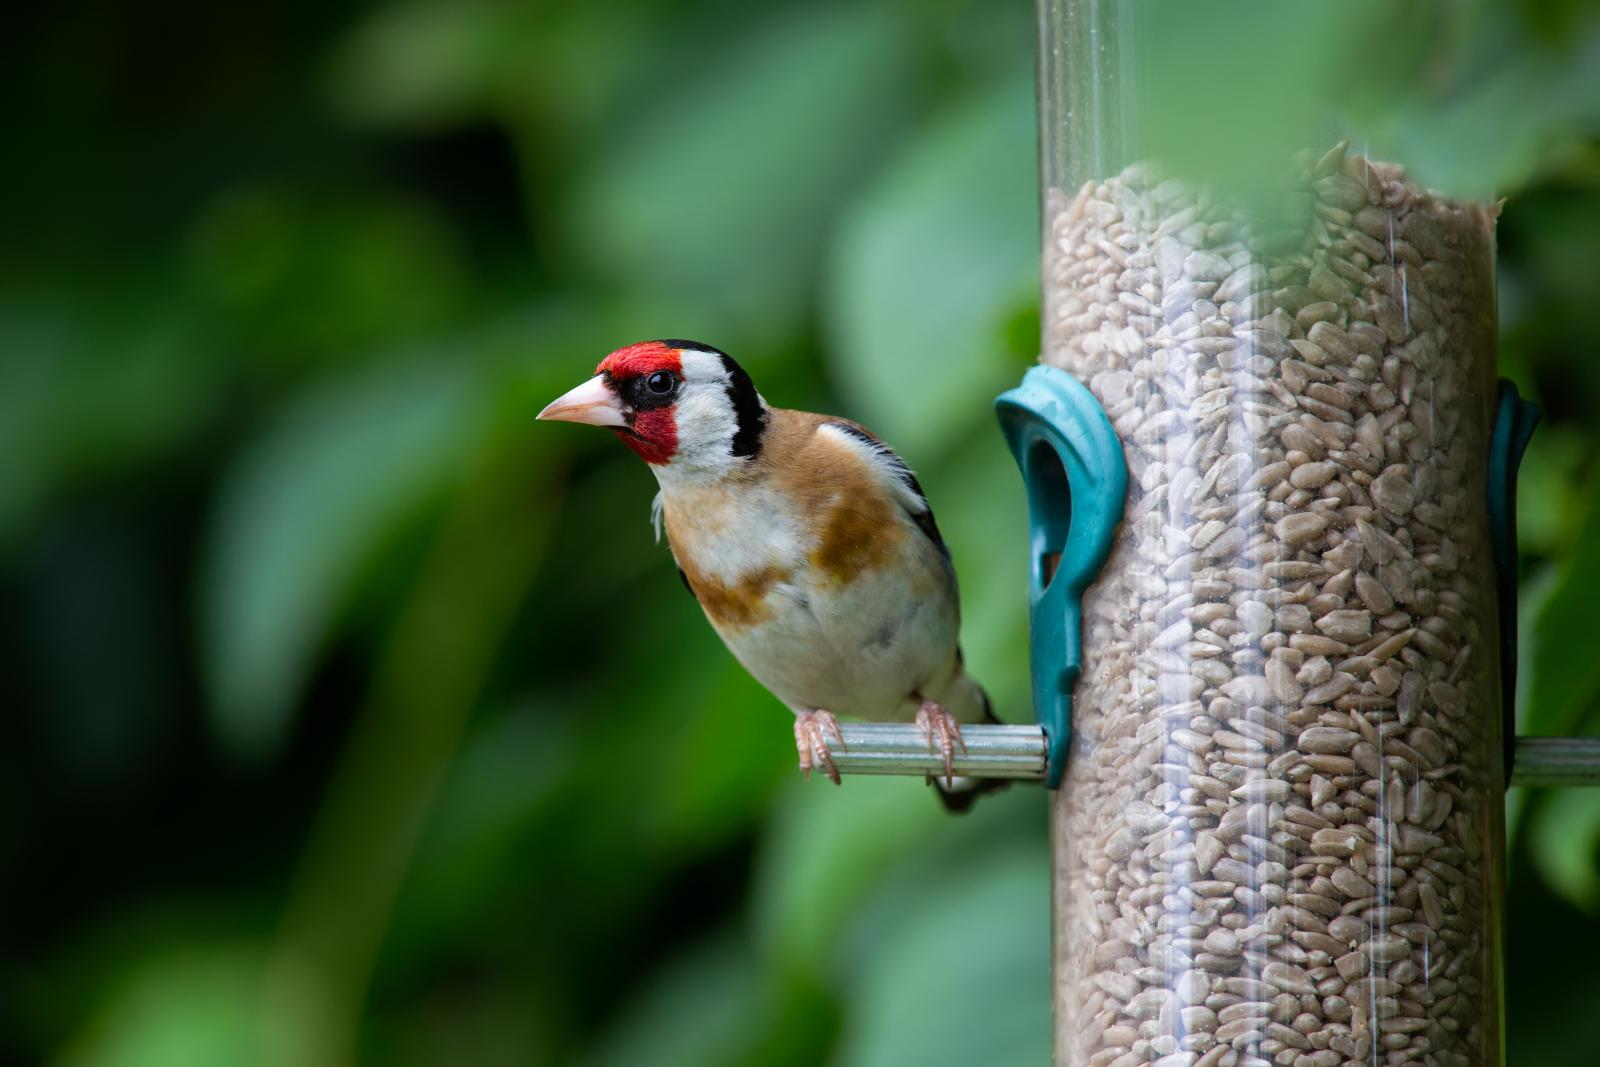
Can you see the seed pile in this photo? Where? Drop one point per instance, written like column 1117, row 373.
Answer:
column 1277, row 827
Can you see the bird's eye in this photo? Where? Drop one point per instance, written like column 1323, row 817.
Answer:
column 660, row 383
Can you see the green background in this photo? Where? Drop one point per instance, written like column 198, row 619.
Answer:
column 351, row 717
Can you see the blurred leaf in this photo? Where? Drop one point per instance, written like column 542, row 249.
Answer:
column 1228, row 92
column 825, row 849
column 481, row 820
column 305, row 505
column 719, row 194
column 479, row 1023
column 1547, row 505
column 437, row 657
column 419, row 62
column 308, row 275
column 1552, row 236
column 550, row 67
column 94, row 384
column 1223, row 94
column 930, row 268
column 747, row 730
column 1549, row 248
column 190, row 1006
column 1565, row 673
column 1565, row 834
column 963, row 973
column 1507, row 114
column 1532, row 597
column 698, row 1012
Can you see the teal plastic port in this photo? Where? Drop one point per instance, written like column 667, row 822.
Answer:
column 1077, row 483
column 1515, row 421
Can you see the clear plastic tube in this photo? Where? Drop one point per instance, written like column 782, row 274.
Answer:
column 1279, row 837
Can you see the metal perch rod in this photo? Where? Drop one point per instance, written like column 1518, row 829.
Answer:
column 896, row 748
column 1019, row 752
column 1557, row 761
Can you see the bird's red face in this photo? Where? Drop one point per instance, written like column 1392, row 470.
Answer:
column 686, row 408
column 634, row 392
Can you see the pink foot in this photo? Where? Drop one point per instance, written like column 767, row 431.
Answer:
column 935, row 722
column 811, row 731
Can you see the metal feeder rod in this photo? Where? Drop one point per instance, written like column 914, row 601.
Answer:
column 1019, row 752
column 901, row 748
column 1557, row 762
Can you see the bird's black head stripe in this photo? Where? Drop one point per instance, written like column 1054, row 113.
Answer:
column 747, row 409
column 698, row 346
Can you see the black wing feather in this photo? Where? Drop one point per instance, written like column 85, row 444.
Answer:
column 924, row 518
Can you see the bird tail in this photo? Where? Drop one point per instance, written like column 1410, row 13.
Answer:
column 960, row 794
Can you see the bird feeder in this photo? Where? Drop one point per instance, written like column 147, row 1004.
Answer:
column 1271, row 480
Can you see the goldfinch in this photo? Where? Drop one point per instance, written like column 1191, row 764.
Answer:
column 808, row 543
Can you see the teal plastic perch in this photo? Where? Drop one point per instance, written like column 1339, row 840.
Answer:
column 1077, row 483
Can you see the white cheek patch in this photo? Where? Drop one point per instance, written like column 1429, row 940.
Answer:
column 706, row 424
column 704, row 414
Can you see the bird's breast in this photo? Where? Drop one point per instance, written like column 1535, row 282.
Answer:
column 857, row 534
column 748, row 551
column 737, row 550
column 845, row 606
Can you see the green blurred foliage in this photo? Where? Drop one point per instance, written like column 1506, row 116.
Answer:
column 1475, row 96
column 352, row 718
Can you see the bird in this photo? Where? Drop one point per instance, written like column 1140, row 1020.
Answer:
column 808, row 543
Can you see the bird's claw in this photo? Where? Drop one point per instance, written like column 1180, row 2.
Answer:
column 811, row 732
column 935, row 721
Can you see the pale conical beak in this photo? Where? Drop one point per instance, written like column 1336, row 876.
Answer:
column 592, row 402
